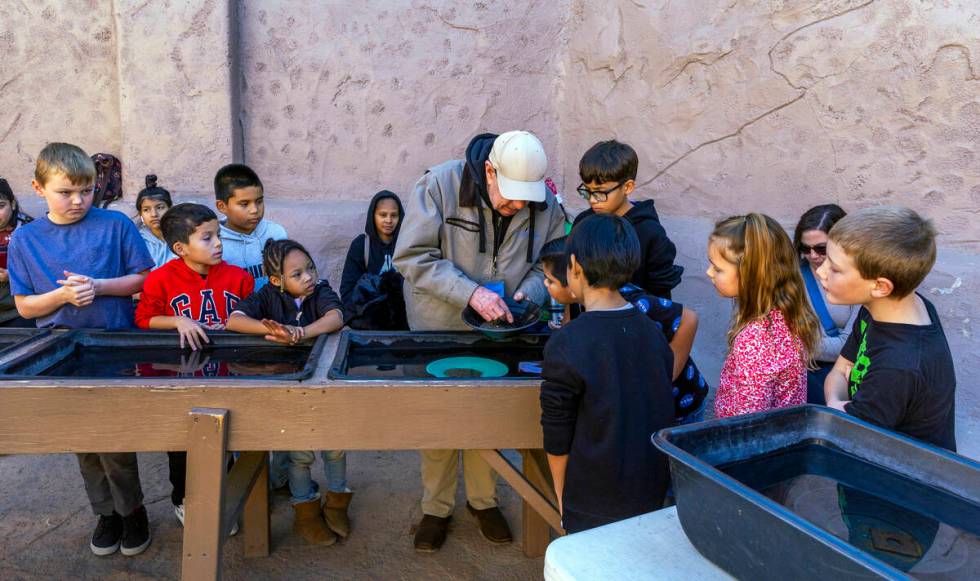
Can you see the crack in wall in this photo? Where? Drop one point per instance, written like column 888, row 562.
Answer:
column 772, row 66
column 772, row 63
column 700, row 58
column 735, row 133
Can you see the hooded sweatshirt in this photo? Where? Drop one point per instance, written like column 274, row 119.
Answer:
column 657, row 274
column 452, row 241
column 380, row 253
column 245, row 250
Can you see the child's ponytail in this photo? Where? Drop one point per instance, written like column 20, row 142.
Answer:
column 768, row 275
column 153, row 192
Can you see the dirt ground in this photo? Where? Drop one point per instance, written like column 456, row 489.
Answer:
column 46, row 523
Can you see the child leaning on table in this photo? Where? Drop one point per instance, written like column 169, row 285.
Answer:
column 297, row 305
column 191, row 293
column 76, row 267
column 606, row 387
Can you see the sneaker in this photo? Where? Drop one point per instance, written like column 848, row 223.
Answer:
column 179, row 512
column 136, row 532
column 105, row 539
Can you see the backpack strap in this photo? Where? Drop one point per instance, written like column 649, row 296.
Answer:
column 816, row 299
column 367, row 250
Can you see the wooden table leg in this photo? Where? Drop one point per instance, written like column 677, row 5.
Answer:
column 204, row 499
column 536, row 532
column 256, row 525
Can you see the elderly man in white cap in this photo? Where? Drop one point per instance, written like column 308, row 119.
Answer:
column 472, row 232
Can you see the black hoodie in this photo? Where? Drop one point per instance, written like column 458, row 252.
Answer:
column 657, row 273
column 379, row 252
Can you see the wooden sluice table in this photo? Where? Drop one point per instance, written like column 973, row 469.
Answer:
column 208, row 418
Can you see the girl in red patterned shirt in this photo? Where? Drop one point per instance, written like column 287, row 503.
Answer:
column 774, row 330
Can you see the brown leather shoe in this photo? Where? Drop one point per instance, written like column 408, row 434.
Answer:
column 431, row 533
column 493, row 525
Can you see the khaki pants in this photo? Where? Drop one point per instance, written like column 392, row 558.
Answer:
column 439, row 481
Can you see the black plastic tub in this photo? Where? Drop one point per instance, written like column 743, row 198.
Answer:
column 410, row 356
column 91, row 354
column 812, row 493
column 14, row 338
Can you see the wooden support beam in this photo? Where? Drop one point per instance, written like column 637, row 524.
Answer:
column 238, row 486
column 256, row 518
column 204, row 532
column 526, row 490
column 536, row 531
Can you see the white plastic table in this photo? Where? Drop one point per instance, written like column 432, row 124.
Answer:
column 649, row 546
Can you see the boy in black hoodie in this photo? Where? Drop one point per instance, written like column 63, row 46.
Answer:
column 607, row 387
column 608, row 172
column 377, row 302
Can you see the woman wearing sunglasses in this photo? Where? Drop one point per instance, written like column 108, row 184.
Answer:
column 836, row 321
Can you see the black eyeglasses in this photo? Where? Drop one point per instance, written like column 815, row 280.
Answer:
column 820, row 249
column 599, row 195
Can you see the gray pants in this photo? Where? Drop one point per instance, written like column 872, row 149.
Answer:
column 112, row 482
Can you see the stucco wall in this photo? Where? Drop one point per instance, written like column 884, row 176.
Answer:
column 339, row 103
column 57, row 81
column 732, row 106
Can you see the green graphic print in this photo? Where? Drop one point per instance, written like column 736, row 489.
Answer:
column 861, row 363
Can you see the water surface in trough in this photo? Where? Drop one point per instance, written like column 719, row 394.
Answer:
column 108, row 362
column 412, row 361
column 926, row 532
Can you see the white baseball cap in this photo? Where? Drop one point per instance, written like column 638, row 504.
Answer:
column 521, row 165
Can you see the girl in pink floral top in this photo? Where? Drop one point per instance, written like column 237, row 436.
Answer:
column 774, row 328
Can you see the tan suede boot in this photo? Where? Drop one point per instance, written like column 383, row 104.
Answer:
column 309, row 524
column 335, row 512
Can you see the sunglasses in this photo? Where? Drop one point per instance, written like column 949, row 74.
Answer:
column 820, row 249
column 599, row 195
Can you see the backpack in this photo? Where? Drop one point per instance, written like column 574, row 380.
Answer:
column 108, row 179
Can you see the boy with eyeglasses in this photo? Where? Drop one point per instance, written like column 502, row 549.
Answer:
column 608, row 172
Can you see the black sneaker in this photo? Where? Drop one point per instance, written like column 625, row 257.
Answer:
column 105, row 539
column 136, row 532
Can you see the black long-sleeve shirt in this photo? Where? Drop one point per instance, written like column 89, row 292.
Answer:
column 606, row 390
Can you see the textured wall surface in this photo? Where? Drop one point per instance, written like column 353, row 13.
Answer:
column 176, row 97
column 775, row 106
column 57, row 81
column 341, row 103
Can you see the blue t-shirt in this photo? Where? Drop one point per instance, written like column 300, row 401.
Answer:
column 103, row 244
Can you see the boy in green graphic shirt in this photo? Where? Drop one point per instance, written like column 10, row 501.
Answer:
column 895, row 370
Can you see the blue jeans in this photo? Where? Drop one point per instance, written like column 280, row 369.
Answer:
column 294, row 468
column 695, row 416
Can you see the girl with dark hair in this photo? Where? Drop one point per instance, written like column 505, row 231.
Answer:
column 836, row 321
column 370, row 287
column 151, row 204
column 10, row 218
column 298, row 305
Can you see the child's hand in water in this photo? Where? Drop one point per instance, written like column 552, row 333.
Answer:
column 191, row 333
column 283, row 334
column 79, row 289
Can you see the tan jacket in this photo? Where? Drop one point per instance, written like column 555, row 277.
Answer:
column 438, row 248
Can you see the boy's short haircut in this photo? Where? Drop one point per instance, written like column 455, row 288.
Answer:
column 553, row 258
column 67, row 159
column 608, row 161
column 180, row 221
column 888, row 242
column 232, row 177
column 607, row 249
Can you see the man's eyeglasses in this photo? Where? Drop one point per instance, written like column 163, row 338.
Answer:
column 820, row 249
column 599, row 195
